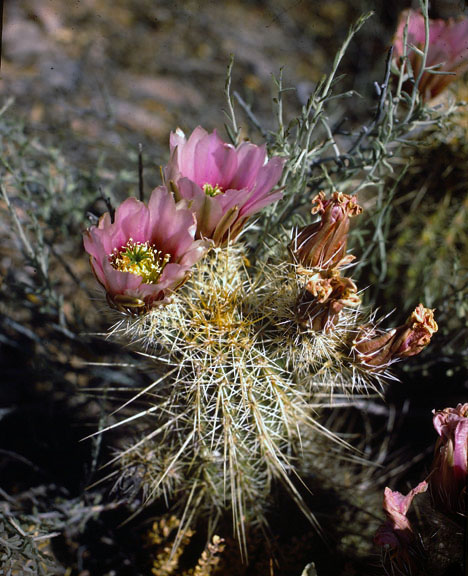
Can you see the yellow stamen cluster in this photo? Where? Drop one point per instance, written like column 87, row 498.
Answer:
column 140, row 258
column 210, row 190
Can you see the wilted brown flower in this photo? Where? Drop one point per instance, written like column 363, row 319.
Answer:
column 377, row 348
column 325, row 295
column 323, row 244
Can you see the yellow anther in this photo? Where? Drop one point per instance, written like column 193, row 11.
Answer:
column 141, row 259
column 210, row 190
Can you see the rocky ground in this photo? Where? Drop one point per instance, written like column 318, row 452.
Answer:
column 105, row 75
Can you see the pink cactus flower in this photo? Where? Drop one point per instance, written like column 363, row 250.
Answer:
column 448, row 47
column 450, row 468
column 145, row 253
column 224, row 185
column 396, row 535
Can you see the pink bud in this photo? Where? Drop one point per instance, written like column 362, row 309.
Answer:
column 449, row 477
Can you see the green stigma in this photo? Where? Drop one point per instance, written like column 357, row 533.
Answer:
column 210, row 190
column 140, row 258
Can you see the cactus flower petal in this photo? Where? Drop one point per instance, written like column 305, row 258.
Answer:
column 450, row 468
column 396, row 535
column 324, row 297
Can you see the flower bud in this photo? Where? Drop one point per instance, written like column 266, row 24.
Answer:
column 449, row 477
column 323, row 244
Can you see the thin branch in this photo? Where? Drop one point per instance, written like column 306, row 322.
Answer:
column 108, row 203
column 140, row 172
column 250, row 115
column 383, row 90
column 233, row 130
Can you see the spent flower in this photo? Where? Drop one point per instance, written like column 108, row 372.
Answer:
column 377, row 349
column 450, row 468
column 145, row 253
column 224, row 185
column 323, row 244
column 447, row 52
column 325, row 295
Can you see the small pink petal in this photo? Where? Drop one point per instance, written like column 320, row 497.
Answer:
column 210, row 155
column 208, row 210
column 461, row 448
column 233, row 198
column 187, row 159
column 250, row 159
